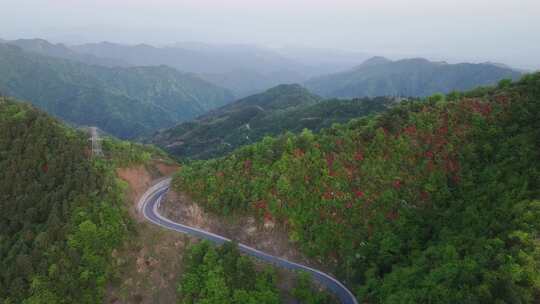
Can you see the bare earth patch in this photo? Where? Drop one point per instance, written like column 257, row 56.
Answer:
column 263, row 236
column 148, row 266
column 266, row 237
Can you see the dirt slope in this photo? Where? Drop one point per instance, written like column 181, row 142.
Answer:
column 149, row 264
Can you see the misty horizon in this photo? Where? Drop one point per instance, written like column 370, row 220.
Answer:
column 462, row 31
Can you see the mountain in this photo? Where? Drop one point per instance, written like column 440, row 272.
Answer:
column 435, row 200
column 62, row 214
column 126, row 102
column 323, row 61
column 408, row 77
column 244, row 69
column 227, row 57
column 246, row 82
column 278, row 110
column 43, row 47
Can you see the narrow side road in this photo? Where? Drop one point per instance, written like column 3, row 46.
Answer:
column 149, row 205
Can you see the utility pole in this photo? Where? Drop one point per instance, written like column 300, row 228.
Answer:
column 96, row 142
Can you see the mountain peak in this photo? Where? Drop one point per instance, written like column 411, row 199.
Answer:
column 288, row 87
column 375, row 61
column 35, row 44
column 407, row 77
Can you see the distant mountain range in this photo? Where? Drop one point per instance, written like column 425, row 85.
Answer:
column 126, row 102
column 379, row 76
column 243, row 69
column 248, row 69
column 133, row 90
column 59, row 50
column 278, row 110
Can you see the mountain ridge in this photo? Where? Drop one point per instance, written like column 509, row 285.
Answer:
column 415, row 77
column 59, row 50
column 410, row 206
column 284, row 108
column 126, row 102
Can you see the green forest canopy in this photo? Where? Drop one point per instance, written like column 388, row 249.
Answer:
column 221, row 275
column 125, row 102
column 431, row 202
column 276, row 111
column 62, row 211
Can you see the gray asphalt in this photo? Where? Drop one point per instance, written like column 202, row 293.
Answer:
column 149, row 205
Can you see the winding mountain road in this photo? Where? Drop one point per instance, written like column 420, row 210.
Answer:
column 149, row 205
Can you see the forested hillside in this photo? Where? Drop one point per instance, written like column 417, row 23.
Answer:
column 44, row 47
column 408, row 77
column 126, row 102
column 276, row 111
column 435, row 201
column 61, row 211
column 243, row 69
column 223, row 275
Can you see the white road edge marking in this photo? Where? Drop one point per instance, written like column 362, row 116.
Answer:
column 165, row 183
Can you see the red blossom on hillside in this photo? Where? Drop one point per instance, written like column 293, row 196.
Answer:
column 359, row 194
column 502, row 99
column 430, row 166
column 330, row 160
column 261, row 204
column 359, row 156
column 298, row 153
column 452, row 166
column 392, row 215
column 410, row 130
column 397, row 184
column 328, row 195
column 443, row 130
column 247, row 164
column 268, row 216
column 45, row 168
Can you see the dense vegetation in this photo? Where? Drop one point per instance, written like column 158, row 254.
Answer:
column 280, row 109
column 221, row 275
column 409, row 77
column 61, row 212
column 126, row 102
column 431, row 202
column 126, row 153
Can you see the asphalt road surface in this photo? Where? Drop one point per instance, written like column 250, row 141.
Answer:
column 149, row 205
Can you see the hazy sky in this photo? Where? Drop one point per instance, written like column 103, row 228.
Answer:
column 456, row 30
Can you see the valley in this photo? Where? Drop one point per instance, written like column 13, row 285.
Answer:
column 312, row 162
column 125, row 102
column 286, row 108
